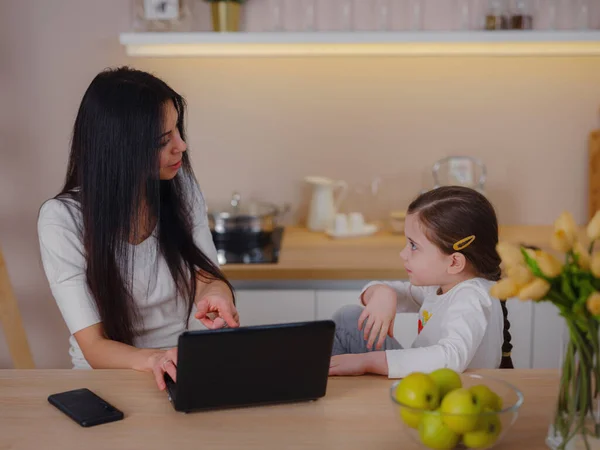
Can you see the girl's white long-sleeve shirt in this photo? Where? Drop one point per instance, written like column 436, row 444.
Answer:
column 461, row 329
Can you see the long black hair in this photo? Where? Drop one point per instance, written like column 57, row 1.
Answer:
column 113, row 174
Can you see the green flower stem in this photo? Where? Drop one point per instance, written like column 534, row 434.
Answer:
column 561, row 422
column 594, row 339
column 557, row 299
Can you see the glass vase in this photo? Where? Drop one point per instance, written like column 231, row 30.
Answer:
column 576, row 421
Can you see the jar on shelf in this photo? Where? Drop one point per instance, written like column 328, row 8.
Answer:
column 521, row 18
column 497, row 16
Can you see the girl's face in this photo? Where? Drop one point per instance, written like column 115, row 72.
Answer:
column 172, row 146
column 425, row 263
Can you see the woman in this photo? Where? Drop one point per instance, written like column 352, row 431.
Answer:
column 126, row 245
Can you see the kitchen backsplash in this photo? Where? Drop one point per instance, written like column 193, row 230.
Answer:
column 399, row 15
column 260, row 126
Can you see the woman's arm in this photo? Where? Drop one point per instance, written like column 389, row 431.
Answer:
column 63, row 258
column 103, row 353
column 214, row 299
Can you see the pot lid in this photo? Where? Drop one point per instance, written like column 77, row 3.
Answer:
column 238, row 208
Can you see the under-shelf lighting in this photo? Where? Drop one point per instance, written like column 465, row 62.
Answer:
column 501, row 43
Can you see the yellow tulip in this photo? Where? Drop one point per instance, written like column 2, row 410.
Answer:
column 548, row 264
column 566, row 224
column 560, row 242
column 593, row 303
column 536, row 290
column 520, row 274
column 504, row 289
column 595, row 265
column 593, row 228
column 509, row 254
column 583, row 256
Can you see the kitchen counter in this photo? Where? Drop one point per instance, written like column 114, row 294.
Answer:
column 307, row 255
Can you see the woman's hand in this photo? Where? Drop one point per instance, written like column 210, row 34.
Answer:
column 161, row 362
column 379, row 314
column 215, row 307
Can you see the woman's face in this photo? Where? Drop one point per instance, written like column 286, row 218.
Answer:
column 172, row 145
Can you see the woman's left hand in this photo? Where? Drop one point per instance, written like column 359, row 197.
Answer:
column 215, row 308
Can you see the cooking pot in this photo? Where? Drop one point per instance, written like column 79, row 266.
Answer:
column 247, row 218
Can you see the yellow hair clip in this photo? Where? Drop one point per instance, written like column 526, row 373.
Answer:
column 463, row 243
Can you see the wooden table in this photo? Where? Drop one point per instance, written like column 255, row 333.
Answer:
column 355, row 414
column 306, row 255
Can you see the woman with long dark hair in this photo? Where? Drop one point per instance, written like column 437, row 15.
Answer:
column 126, row 245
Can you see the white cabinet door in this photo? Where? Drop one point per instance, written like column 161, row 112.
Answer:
column 548, row 332
column 263, row 307
column 328, row 302
column 520, row 316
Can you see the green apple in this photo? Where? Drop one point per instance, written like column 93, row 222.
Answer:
column 417, row 391
column 486, row 434
column 460, row 409
column 487, row 398
column 434, row 434
column 446, row 380
column 411, row 417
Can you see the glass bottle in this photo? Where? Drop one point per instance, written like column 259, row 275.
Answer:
column 382, row 16
column 310, row 15
column 464, row 15
column 346, row 7
column 276, row 9
column 582, row 15
column 416, row 14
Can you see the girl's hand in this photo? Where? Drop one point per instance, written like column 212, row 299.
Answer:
column 348, row 365
column 161, row 362
column 379, row 315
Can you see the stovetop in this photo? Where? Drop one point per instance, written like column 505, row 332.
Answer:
column 259, row 250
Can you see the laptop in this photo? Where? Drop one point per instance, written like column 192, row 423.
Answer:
column 255, row 365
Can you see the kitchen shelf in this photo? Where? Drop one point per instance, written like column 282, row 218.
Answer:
column 424, row 43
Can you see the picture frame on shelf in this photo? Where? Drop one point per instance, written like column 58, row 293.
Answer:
column 162, row 15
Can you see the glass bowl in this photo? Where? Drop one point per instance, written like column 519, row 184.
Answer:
column 430, row 428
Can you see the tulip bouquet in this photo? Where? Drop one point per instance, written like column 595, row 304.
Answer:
column 574, row 287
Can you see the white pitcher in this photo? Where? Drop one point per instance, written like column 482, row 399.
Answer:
column 324, row 204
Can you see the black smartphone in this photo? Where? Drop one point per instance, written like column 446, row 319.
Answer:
column 85, row 407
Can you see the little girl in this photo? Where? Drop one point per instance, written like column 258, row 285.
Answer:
column 451, row 261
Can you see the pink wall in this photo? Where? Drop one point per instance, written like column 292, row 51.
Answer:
column 260, row 125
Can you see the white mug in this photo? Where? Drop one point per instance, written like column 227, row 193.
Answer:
column 356, row 222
